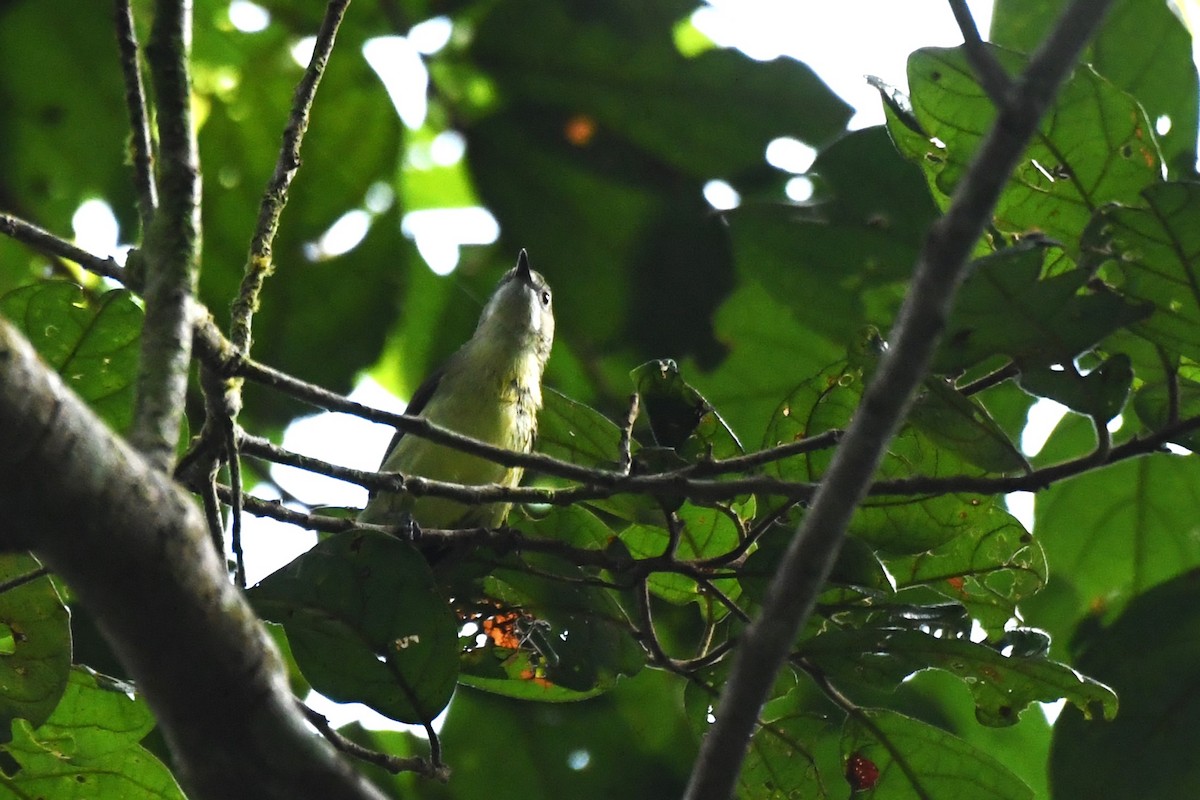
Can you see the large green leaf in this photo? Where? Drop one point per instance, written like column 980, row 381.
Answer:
column 1094, row 146
column 632, row 742
column 904, row 758
column 1006, row 307
column 35, row 644
column 591, row 61
column 1156, row 245
column 1151, row 656
column 89, row 747
column 367, row 624
column 1002, row 686
column 93, row 343
column 1143, row 47
column 574, row 432
column 1112, row 534
column 990, row 567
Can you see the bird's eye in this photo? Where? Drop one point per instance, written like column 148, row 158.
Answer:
column 545, row 298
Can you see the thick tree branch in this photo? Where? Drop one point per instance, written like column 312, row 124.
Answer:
column 172, row 246
column 134, row 548
column 810, row 556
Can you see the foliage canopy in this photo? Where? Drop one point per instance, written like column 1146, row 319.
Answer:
column 584, row 646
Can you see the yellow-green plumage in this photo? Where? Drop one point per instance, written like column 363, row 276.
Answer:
column 491, row 390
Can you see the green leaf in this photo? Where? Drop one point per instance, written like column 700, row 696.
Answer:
column 1058, row 184
column 574, row 432
column 1151, row 656
column 963, row 426
column 679, row 416
column 704, row 532
column 991, row 566
column 1152, row 404
column 631, row 742
column 89, row 747
column 556, row 138
column 35, row 644
column 1101, row 394
column 1006, row 307
column 93, row 344
column 1114, row 533
column 573, row 525
column 1002, row 686
column 1143, row 47
column 912, row 759
column 770, row 353
column 1155, row 246
column 367, row 624
column 793, row 756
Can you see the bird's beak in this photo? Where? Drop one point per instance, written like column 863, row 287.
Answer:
column 523, row 273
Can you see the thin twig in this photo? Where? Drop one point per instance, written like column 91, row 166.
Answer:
column 139, row 120
column 236, row 505
column 48, row 244
column 994, row 378
column 21, row 580
column 258, row 264
column 992, row 77
column 393, row 764
column 810, row 556
column 211, row 504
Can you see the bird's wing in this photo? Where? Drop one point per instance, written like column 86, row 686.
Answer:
column 416, row 405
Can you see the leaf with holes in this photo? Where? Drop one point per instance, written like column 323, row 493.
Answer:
column 1155, row 246
column 35, row 644
column 89, row 747
column 1002, row 686
column 1094, row 146
column 995, row 564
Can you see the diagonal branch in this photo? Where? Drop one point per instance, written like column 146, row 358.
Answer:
column 992, row 77
column 258, row 265
column 810, row 556
column 133, row 547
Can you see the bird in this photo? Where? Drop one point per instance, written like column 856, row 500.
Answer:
column 490, row 389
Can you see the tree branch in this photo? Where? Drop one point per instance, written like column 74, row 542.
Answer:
column 172, row 246
column 134, row 548
column 258, row 264
column 46, row 243
column 811, row 554
column 992, row 77
column 139, row 122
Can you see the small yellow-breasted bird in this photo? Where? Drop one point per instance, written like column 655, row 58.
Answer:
column 491, row 390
